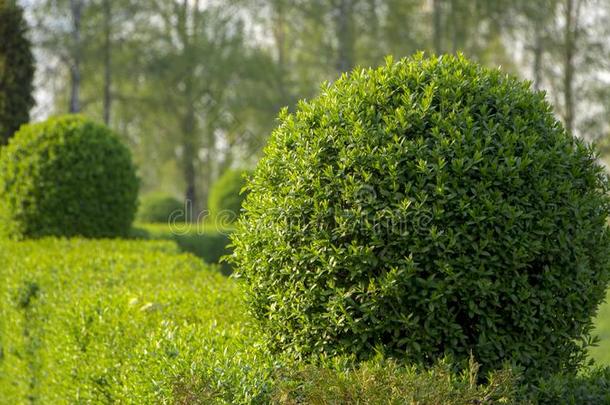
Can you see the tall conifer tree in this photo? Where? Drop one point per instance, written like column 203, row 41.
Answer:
column 16, row 70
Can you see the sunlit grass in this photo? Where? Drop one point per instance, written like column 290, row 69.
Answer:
column 601, row 353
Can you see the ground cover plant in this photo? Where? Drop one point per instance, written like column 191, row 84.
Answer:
column 66, row 176
column 426, row 208
column 380, row 381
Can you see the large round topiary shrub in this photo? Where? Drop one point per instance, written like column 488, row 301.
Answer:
column 425, row 208
column 160, row 208
column 67, row 176
column 226, row 195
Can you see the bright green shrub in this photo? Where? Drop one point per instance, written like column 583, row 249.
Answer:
column 426, row 208
column 226, row 197
column 130, row 322
column 16, row 70
column 159, row 208
column 387, row 382
column 66, row 176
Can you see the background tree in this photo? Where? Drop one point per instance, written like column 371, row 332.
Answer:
column 566, row 54
column 194, row 86
column 62, row 34
column 196, row 54
column 16, row 70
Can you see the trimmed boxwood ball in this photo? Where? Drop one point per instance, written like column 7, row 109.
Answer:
column 425, row 208
column 159, row 208
column 67, row 176
column 226, row 195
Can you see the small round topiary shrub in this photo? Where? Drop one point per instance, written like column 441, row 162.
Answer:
column 426, row 208
column 66, row 176
column 159, row 208
column 226, row 195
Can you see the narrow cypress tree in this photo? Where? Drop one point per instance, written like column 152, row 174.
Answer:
column 16, row 70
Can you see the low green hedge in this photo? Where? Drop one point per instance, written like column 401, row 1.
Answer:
column 382, row 381
column 120, row 322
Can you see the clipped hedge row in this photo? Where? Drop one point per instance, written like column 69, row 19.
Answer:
column 119, row 321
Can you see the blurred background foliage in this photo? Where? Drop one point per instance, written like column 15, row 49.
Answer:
column 195, row 86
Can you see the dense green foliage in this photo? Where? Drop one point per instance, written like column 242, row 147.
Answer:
column 108, row 321
column 160, row 208
column 590, row 387
column 16, row 70
column 209, row 244
column 120, row 322
column 66, row 176
column 226, row 195
column 429, row 207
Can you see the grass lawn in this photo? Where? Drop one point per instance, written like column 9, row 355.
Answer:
column 601, row 353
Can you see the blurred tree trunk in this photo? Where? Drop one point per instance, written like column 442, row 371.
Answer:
column 189, row 155
column 76, row 9
column 540, row 19
column 437, row 34
column 189, row 130
column 344, row 26
column 373, row 18
column 107, row 51
column 279, row 36
column 453, row 18
column 571, row 16
column 537, row 50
